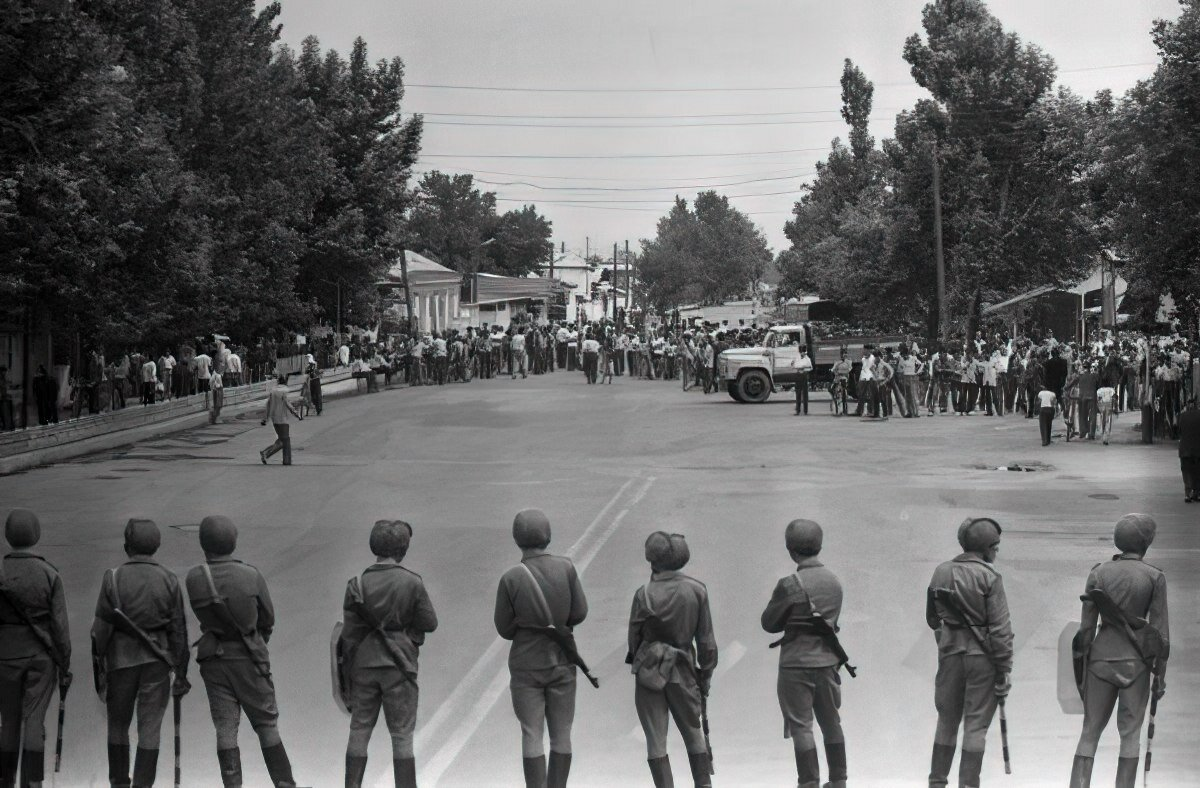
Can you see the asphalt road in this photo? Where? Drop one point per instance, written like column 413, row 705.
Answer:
column 609, row 465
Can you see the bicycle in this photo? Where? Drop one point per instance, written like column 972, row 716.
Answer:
column 837, row 394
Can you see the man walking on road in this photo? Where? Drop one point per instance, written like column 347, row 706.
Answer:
column 518, row 353
column 968, row 612
column 138, row 677
column 808, row 667
column 673, row 652
column 236, row 615
column 803, row 366
column 1122, row 666
column 540, row 592
column 387, row 614
column 32, row 592
column 1189, row 450
column 277, row 410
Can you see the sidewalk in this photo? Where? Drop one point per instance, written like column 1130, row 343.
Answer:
column 24, row 449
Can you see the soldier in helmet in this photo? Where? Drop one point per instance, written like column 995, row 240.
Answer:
column 673, row 652
column 542, row 590
column 232, row 604
column 968, row 612
column 808, row 667
column 139, row 676
column 387, row 614
column 1119, row 670
column 29, row 660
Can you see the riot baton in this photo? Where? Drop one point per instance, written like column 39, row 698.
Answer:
column 1003, row 738
column 62, row 716
column 178, row 710
column 704, row 724
column 1150, row 735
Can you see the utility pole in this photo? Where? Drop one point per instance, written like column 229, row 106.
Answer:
column 551, row 260
column 339, row 307
column 614, row 283
column 937, row 245
column 408, row 303
column 628, row 282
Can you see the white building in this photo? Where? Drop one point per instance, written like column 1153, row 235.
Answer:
column 435, row 292
column 578, row 275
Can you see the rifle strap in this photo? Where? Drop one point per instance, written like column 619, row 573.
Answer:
column 219, row 600
column 27, row 620
column 950, row 600
column 539, row 596
column 138, row 632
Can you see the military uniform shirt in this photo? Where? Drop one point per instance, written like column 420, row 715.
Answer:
column 397, row 599
column 34, row 583
column 246, row 595
column 1137, row 588
column 980, row 592
column 150, row 595
column 821, row 593
column 681, row 617
column 517, row 608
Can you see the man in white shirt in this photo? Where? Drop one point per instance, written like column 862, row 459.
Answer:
column 202, row 364
column 440, row 358
column 1046, row 401
column 518, row 353
column 218, row 396
column 803, row 366
column 572, row 349
column 1106, row 397
column 909, row 369
column 233, row 370
column 866, row 390
column 591, row 358
column 149, row 380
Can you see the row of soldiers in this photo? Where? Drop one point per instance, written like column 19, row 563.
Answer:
column 140, row 640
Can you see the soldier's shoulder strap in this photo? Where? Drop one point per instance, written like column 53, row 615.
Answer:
column 539, row 596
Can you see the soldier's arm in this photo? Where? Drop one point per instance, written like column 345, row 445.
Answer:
column 354, row 629
column 505, row 616
column 637, row 617
column 1089, row 616
column 999, row 627
column 778, row 610
column 59, row 629
column 266, row 609
column 1158, row 617
column 706, row 640
column 424, row 618
column 932, row 618
column 177, row 637
column 579, row 605
column 101, row 628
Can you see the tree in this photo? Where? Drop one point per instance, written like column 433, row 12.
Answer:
column 708, row 253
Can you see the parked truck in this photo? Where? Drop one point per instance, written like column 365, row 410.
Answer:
column 752, row 374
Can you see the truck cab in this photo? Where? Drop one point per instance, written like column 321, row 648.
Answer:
column 752, row 374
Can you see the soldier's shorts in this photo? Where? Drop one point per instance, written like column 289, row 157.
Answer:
column 682, row 701
column 233, row 686
column 146, row 687
column 541, row 699
column 372, row 688
column 964, row 692
column 803, row 692
column 26, row 686
column 1124, row 684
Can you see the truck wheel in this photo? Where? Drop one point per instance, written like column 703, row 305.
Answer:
column 734, row 394
column 754, row 386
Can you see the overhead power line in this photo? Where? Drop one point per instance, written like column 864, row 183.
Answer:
column 752, row 89
column 568, row 201
column 618, row 155
column 638, row 125
column 644, row 188
column 664, row 178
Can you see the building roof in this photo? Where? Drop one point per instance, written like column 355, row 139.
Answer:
column 423, row 271
column 568, row 260
column 493, row 289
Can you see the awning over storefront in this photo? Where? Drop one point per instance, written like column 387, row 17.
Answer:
column 1016, row 300
column 493, row 289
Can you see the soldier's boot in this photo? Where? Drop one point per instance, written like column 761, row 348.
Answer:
column 1127, row 772
column 230, row 762
column 535, row 771
column 8, row 769
column 808, row 768
column 405, row 771
column 279, row 768
column 700, row 774
column 939, row 768
column 356, row 769
column 970, row 764
column 118, row 765
column 33, row 768
column 1081, row 772
column 560, row 767
column 835, row 757
column 145, row 767
column 660, row 771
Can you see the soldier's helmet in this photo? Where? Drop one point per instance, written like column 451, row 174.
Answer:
column 531, row 528
column 680, row 554
column 22, row 529
column 1134, row 533
column 804, row 537
column 142, row 536
column 390, row 538
column 658, row 550
column 976, row 534
column 218, row 535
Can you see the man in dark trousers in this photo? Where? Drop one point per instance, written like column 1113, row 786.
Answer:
column 968, row 612
column 803, row 366
column 542, row 590
column 1054, row 375
column 137, row 676
column 808, row 667
column 232, row 604
column 28, row 670
column 1119, row 672
column 1189, row 451
column 673, row 652
column 277, row 410
column 381, row 651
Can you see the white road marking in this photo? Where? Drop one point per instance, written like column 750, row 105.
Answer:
column 728, row 657
column 435, row 767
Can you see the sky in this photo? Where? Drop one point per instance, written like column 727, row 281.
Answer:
column 594, row 91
